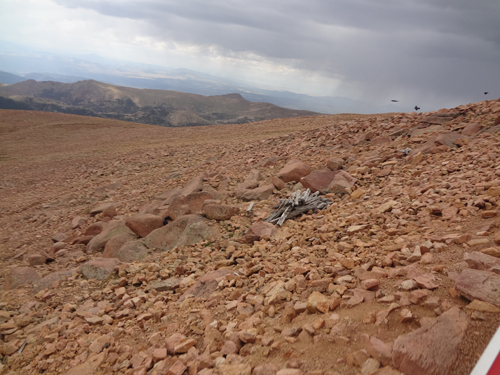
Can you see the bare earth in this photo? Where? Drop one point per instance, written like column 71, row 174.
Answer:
column 55, row 168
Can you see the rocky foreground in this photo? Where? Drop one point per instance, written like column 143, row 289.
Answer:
column 155, row 261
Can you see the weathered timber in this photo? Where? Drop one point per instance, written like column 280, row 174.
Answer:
column 298, row 203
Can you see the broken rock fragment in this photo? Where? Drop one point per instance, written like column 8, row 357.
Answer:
column 433, row 348
column 186, row 230
column 260, row 230
column 20, row 276
column 143, row 224
column 481, row 285
column 100, row 268
column 293, row 171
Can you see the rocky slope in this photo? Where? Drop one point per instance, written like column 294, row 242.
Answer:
column 138, row 254
column 155, row 107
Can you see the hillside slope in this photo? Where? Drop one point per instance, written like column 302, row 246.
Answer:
column 155, row 107
column 129, row 248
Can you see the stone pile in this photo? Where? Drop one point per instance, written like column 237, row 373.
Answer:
column 399, row 274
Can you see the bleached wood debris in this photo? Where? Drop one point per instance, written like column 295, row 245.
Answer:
column 298, row 203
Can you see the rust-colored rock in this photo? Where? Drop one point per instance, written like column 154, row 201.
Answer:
column 293, row 171
column 143, row 224
column 186, row 230
column 219, row 211
column 260, row 230
column 20, row 276
column 431, row 349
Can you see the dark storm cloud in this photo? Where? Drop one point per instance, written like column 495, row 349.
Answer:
column 407, row 47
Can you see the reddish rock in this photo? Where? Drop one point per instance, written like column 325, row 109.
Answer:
column 293, row 171
column 173, row 340
column 94, row 229
column 259, row 230
column 480, row 261
column 260, row 193
column 381, row 140
column 265, row 369
column 433, row 348
column 20, row 276
column 378, row 349
column 340, row 182
column 196, row 184
column 101, row 207
column 48, row 280
column 278, row 183
column 335, row 164
column 206, row 284
column 132, row 251
column 251, row 181
column 317, row 302
column 36, row 259
column 448, row 138
column 317, row 180
column 143, row 224
column 114, row 245
column 110, row 212
column 100, row 268
column 77, row 222
column 328, row 181
column 219, row 211
column 471, row 129
column 370, row 284
column 481, row 285
column 193, row 201
column 186, row 230
column 59, row 237
column 114, row 228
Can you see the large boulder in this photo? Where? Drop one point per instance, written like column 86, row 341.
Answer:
column 327, row 181
column 433, row 348
column 131, row 251
column 472, row 129
column 481, row 285
column 143, row 224
column 293, row 171
column 484, row 262
column 318, row 180
column 258, row 194
column 20, row 276
column 341, row 181
column 100, row 268
column 186, row 230
column 48, row 280
column 449, row 139
column 193, row 203
column 217, row 211
column 115, row 244
column 114, row 228
column 259, row 230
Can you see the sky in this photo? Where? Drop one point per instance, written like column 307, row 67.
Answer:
column 439, row 52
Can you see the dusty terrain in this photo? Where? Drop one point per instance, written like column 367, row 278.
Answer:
column 377, row 283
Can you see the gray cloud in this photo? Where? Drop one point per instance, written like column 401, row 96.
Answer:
column 427, row 50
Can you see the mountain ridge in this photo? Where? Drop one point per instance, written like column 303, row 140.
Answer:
column 149, row 106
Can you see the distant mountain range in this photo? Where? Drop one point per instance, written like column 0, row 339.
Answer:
column 28, row 63
column 155, row 107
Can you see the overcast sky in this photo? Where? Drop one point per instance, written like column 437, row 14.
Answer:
column 439, row 52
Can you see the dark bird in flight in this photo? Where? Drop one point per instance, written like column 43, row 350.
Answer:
column 486, row 93
column 394, row 100
column 417, row 108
